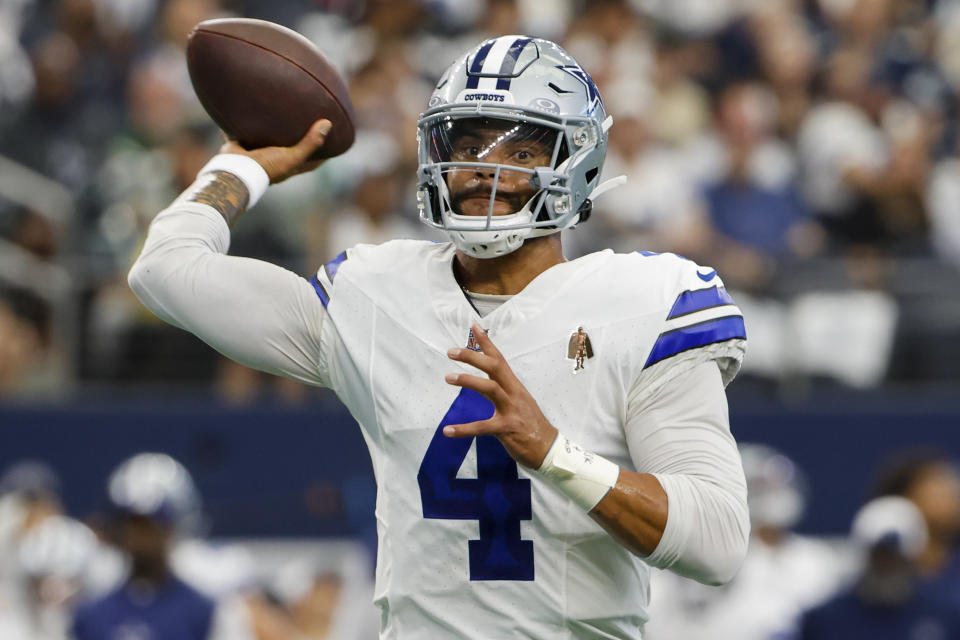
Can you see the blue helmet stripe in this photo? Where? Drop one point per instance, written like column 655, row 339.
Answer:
column 473, row 75
column 510, row 62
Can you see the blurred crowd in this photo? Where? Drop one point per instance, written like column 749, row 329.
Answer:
column 895, row 576
column 143, row 567
column 807, row 149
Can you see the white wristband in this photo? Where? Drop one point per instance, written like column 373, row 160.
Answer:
column 253, row 176
column 584, row 476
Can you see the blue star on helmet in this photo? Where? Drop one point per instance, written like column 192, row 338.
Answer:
column 593, row 94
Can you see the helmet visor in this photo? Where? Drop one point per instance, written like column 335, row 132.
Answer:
column 488, row 164
column 493, row 141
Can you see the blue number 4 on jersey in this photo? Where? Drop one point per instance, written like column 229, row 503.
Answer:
column 498, row 498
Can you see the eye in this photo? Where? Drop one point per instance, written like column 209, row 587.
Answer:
column 524, row 156
column 467, row 151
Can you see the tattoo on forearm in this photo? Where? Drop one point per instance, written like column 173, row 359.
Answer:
column 223, row 191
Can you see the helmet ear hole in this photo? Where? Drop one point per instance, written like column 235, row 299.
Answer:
column 585, row 211
column 434, row 194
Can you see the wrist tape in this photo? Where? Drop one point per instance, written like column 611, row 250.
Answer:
column 584, row 476
column 248, row 170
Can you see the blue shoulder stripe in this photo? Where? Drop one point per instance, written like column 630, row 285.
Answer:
column 670, row 343
column 321, row 292
column 698, row 300
column 331, row 267
column 330, row 270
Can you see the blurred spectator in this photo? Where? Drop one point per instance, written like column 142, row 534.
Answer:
column 931, row 481
column 659, row 208
column 787, row 51
column 755, row 206
column 54, row 558
column 33, row 232
column 694, row 17
column 885, row 602
column 23, row 341
column 784, row 573
column 29, row 496
column 377, row 211
column 838, row 140
column 237, row 385
column 16, row 74
column 328, row 598
column 156, row 508
column 942, row 195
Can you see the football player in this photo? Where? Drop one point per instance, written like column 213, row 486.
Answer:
column 542, row 430
column 169, row 583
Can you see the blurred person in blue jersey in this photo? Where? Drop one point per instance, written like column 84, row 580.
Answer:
column 169, row 584
column 931, row 481
column 152, row 498
column 784, row 573
column 886, row 601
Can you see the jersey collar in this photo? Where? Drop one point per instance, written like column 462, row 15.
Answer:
column 505, row 323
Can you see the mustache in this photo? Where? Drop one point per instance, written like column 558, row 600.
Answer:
column 516, row 201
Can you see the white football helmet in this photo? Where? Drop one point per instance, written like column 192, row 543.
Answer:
column 521, row 91
column 157, row 486
column 59, row 546
column 776, row 487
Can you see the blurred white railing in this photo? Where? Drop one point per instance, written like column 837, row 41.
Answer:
column 49, row 280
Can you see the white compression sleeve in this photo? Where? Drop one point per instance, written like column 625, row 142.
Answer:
column 681, row 435
column 254, row 312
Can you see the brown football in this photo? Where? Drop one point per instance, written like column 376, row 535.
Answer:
column 265, row 84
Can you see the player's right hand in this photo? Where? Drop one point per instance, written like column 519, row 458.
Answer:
column 281, row 163
column 517, row 421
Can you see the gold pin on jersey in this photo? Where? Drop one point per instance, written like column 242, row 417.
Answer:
column 579, row 348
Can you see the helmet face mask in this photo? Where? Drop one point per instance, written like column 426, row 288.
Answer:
column 513, row 154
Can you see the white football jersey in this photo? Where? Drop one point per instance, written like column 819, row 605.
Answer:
column 471, row 544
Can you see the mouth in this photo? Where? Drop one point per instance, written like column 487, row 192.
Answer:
column 478, row 204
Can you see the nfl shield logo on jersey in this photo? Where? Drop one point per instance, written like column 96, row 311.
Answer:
column 472, row 341
column 579, row 348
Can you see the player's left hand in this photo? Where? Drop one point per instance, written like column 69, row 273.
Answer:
column 517, row 421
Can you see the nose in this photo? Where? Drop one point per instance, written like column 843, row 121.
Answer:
column 485, row 173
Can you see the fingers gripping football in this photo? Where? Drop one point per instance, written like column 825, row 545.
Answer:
column 281, row 163
column 517, row 421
